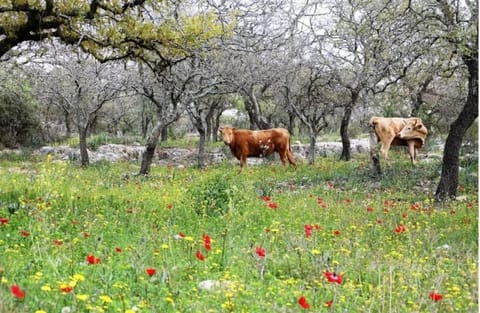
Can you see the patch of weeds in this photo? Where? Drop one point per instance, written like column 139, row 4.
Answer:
column 214, row 196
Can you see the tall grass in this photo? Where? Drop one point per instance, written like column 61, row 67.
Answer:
column 266, row 240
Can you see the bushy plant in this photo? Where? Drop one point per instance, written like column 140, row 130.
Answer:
column 19, row 122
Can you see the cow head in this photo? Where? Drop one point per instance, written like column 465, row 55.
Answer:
column 227, row 134
column 414, row 129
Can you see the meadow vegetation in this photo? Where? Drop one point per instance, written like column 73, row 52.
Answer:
column 322, row 238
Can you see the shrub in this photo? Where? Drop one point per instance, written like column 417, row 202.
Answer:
column 19, row 123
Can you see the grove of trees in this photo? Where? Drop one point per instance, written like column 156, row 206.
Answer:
column 138, row 66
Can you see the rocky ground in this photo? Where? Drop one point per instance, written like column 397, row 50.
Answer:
column 188, row 156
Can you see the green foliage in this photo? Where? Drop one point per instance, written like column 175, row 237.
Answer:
column 19, row 122
column 215, row 195
column 54, row 215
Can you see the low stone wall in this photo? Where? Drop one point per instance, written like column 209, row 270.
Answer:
column 115, row 153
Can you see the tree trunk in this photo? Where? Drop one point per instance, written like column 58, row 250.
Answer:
column 344, row 133
column 447, row 187
column 311, row 152
column 164, row 135
column 83, row 134
column 150, row 147
column 201, row 149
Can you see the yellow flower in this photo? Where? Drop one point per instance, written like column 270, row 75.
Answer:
column 40, row 311
column 129, row 311
column 38, row 275
column 164, row 246
column 82, row 297
column 46, row 288
column 169, row 299
column 106, row 299
column 316, row 251
column 78, row 277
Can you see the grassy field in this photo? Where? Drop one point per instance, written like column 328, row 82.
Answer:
column 323, row 238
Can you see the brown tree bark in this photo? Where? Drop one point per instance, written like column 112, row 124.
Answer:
column 447, row 187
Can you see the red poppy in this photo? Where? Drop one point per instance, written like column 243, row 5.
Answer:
column 91, row 259
column 66, row 288
column 302, row 301
column 272, row 205
column 260, row 252
column 336, row 232
column 86, row 235
column 150, row 271
column 57, row 242
column 24, row 233
column 369, row 209
column 329, row 303
column 436, row 296
column 179, row 236
column 308, row 230
column 169, row 206
column 207, row 242
column 333, row 278
column 17, row 292
column 118, row 249
column 200, row 256
column 400, row 229
column 266, row 198
column 4, row 220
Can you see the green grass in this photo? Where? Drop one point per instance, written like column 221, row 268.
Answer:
column 56, row 214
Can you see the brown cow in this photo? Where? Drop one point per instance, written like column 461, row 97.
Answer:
column 258, row 143
column 399, row 131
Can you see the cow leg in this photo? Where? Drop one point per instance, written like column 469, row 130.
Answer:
column 412, row 151
column 283, row 157
column 291, row 159
column 243, row 161
column 385, row 146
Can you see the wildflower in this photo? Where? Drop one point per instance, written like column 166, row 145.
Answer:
column 273, row 205
column 46, row 288
column 400, row 229
column 169, row 206
column 106, row 299
column 266, row 198
column 207, row 242
column 329, row 303
column 302, row 301
column 118, row 249
column 436, row 296
column 66, row 309
column 40, row 311
column 82, row 297
column 200, row 256
column 336, row 232
column 86, row 235
column 57, row 242
column 179, row 236
column 150, row 271
column 260, row 252
column 308, row 230
column 66, row 288
column 4, row 220
column 91, row 259
column 369, row 208
column 331, row 184
column 24, row 233
column 333, row 278
column 17, row 292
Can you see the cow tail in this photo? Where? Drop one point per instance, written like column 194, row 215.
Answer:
column 373, row 148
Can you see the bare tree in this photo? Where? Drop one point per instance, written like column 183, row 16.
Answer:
column 80, row 86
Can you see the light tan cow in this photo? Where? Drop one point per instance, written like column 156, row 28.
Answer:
column 397, row 131
column 245, row 143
